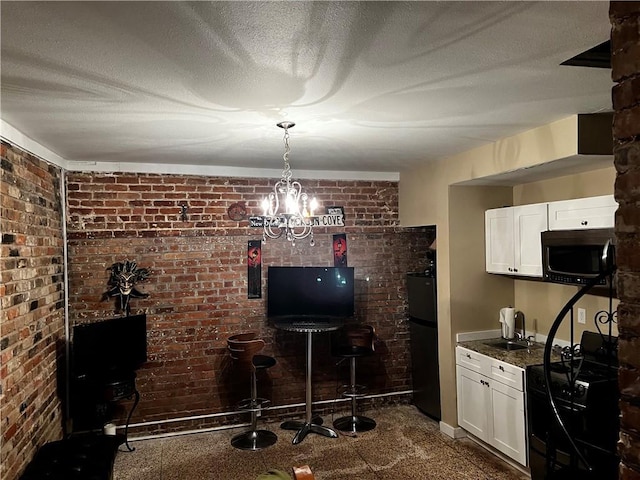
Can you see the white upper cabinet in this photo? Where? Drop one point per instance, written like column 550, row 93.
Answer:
column 529, row 221
column 582, row 213
column 499, row 240
column 512, row 239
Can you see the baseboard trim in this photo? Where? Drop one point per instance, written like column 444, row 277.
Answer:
column 240, row 412
column 453, row 432
column 499, row 454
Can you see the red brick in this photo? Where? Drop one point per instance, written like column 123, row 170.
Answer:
column 626, row 94
column 31, row 410
column 625, row 122
column 628, row 473
column 198, row 286
column 622, row 10
column 625, row 69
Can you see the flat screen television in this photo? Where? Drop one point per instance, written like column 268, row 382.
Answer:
column 310, row 292
column 109, row 346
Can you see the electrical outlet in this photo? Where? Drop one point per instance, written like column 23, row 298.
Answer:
column 582, row 316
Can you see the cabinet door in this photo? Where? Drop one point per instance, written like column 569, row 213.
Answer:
column 529, row 221
column 473, row 403
column 582, row 213
column 499, row 240
column 507, row 431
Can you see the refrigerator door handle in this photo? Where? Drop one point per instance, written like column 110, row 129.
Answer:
column 426, row 323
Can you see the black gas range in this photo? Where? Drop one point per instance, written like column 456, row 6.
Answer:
column 585, row 390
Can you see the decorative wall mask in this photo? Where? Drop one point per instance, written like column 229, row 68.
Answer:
column 122, row 281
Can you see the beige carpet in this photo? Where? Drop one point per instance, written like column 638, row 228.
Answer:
column 405, row 445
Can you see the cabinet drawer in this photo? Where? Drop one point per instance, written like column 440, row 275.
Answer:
column 507, row 374
column 473, row 361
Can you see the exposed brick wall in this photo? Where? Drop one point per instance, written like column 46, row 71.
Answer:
column 625, row 38
column 31, row 320
column 198, row 285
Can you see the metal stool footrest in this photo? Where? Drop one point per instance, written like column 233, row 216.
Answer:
column 353, row 391
column 250, row 405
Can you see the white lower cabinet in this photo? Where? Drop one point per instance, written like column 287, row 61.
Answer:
column 491, row 404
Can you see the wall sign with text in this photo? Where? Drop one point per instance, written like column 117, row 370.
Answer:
column 333, row 218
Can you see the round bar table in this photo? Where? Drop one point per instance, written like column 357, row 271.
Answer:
column 310, row 326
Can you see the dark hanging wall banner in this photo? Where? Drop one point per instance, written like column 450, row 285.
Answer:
column 340, row 250
column 254, row 269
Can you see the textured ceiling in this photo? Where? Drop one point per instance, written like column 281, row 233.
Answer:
column 372, row 86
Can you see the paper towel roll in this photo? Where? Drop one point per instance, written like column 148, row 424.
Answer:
column 508, row 320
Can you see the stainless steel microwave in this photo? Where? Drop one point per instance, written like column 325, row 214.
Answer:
column 574, row 257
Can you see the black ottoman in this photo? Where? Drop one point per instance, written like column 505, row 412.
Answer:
column 84, row 457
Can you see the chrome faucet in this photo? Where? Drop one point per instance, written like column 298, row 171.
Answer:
column 521, row 336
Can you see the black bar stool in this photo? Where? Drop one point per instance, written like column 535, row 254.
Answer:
column 244, row 348
column 351, row 342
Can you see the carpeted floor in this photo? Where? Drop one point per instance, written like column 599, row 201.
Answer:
column 405, row 445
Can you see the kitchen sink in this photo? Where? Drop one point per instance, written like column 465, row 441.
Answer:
column 507, row 345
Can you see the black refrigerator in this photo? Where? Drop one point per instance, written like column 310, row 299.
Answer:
column 423, row 337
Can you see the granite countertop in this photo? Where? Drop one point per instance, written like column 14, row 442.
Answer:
column 520, row 358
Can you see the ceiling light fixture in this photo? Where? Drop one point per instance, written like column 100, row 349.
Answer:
column 287, row 210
